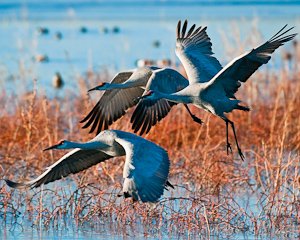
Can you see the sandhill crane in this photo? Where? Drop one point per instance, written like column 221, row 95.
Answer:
column 127, row 86
column 217, row 95
column 145, row 171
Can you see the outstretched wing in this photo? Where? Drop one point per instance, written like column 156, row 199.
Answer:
column 112, row 104
column 242, row 67
column 146, row 168
column 195, row 53
column 148, row 112
column 73, row 162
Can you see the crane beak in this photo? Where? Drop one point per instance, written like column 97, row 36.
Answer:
column 49, row 148
column 93, row 89
column 139, row 98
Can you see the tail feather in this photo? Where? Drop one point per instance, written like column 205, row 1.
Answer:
column 244, row 108
column 169, row 184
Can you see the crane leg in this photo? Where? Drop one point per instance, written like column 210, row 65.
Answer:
column 228, row 145
column 198, row 120
column 237, row 145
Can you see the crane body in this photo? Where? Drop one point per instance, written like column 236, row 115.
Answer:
column 145, row 171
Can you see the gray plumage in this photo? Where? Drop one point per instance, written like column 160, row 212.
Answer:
column 145, row 171
column 126, row 86
column 195, row 53
column 216, row 95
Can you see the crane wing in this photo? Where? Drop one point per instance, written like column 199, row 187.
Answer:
column 195, row 53
column 148, row 112
column 146, row 168
column 112, row 104
column 242, row 67
column 73, row 162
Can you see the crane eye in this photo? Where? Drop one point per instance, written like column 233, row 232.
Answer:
column 61, row 142
column 101, row 84
column 149, row 93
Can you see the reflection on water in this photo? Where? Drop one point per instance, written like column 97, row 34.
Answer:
column 69, row 211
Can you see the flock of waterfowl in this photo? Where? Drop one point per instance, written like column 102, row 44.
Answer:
column 155, row 90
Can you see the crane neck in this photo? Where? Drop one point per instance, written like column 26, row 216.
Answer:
column 127, row 84
column 176, row 97
column 88, row 145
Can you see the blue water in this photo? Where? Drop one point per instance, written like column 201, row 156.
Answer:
column 141, row 23
column 151, row 9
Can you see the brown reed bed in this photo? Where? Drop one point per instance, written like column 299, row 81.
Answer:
column 215, row 194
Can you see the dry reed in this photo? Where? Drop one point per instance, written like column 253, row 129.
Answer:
column 215, row 195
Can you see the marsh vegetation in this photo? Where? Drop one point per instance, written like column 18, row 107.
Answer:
column 215, row 194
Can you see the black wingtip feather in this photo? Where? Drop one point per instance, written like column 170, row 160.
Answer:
column 92, row 112
column 100, row 125
column 191, row 31
column 184, row 29
column 169, row 184
column 146, row 122
column 178, row 28
column 135, row 113
column 83, row 120
column 92, row 116
column 196, row 31
column 280, row 33
column 243, row 108
column 96, row 121
column 14, row 184
column 10, row 183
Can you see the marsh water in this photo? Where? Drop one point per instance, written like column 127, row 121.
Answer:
column 118, row 33
column 106, row 228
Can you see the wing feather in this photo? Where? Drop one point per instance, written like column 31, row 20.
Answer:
column 183, row 29
column 73, row 162
column 195, row 53
column 117, row 79
column 191, row 31
column 148, row 111
column 112, row 104
column 242, row 67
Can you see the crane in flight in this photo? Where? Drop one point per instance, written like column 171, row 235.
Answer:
column 217, row 95
column 126, row 86
column 145, row 170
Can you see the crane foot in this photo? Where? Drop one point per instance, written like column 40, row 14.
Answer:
column 198, row 120
column 228, row 145
column 241, row 154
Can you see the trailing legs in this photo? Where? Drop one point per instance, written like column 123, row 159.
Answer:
column 236, row 141
column 198, row 120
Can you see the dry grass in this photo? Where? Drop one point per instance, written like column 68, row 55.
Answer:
column 215, row 195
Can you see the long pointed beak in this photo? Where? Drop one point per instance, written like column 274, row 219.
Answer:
column 92, row 89
column 139, row 98
column 53, row 147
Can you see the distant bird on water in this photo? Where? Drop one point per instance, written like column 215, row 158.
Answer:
column 58, row 35
column 129, row 85
column 42, row 30
column 217, row 95
column 116, row 29
column 145, row 171
column 57, row 81
column 83, row 29
column 148, row 62
column 41, row 58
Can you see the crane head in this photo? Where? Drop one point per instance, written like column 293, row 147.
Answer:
column 99, row 87
column 59, row 145
column 147, row 95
